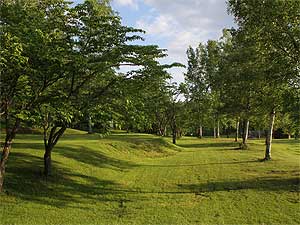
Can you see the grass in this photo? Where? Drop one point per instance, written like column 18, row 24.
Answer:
column 144, row 179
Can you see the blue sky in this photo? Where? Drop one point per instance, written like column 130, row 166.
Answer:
column 175, row 24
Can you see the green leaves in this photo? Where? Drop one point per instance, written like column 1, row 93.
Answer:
column 275, row 26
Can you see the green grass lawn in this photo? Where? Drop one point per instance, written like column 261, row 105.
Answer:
column 144, row 179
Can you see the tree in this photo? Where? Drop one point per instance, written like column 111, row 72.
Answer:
column 197, row 87
column 100, row 46
column 275, row 26
column 33, row 45
column 66, row 49
column 240, row 85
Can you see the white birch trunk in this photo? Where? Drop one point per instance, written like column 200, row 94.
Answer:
column 269, row 136
column 237, row 131
column 218, row 129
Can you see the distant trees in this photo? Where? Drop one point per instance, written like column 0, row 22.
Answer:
column 197, row 88
column 250, row 71
column 275, row 26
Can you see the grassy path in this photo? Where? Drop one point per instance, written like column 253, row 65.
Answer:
column 143, row 179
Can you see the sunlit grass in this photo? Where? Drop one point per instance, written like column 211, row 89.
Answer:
column 144, row 179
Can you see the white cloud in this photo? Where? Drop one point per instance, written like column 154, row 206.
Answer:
column 160, row 25
column 176, row 24
column 131, row 3
column 184, row 22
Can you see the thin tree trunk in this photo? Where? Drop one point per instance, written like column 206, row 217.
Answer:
column 218, row 129
column 289, row 136
column 47, row 162
column 160, row 132
column 173, row 123
column 227, row 131
column 200, row 133
column 174, row 130
column 237, row 131
column 4, row 158
column 165, row 131
column 259, row 135
column 296, row 135
column 244, row 145
column 245, row 132
column 90, row 124
column 269, row 136
column 10, row 135
column 215, row 132
column 49, row 144
column 174, row 136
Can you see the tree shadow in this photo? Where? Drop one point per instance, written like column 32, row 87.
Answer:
column 91, row 157
column 153, row 142
column 261, row 184
column 287, row 141
column 24, row 180
column 30, row 137
column 200, row 164
column 82, row 154
column 30, row 146
column 232, row 145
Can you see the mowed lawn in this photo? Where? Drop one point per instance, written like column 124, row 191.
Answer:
column 144, row 179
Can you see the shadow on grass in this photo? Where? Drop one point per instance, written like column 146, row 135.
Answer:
column 68, row 188
column 94, row 158
column 24, row 180
column 144, row 139
column 201, row 164
column 262, row 184
column 81, row 154
column 30, row 146
column 211, row 145
column 287, row 141
column 64, row 137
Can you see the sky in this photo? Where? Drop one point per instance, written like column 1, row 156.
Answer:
column 175, row 24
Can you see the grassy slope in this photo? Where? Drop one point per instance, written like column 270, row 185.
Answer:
column 144, row 179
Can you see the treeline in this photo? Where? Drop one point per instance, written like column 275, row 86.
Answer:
column 245, row 83
column 251, row 74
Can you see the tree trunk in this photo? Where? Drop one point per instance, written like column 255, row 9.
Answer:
column 245, row 132
column 215, row 132
column 244, row 145
column 269, row 136
column 173, row 124
column 174, row 136
column 4, row 158
column 259, row 135
column 289, row 136
column 227, row 131
column 90, row 125
column 47, row 162
column 218, row 129
column 237, row 131
column 158, row 132
column 10, row 135
column 165, row 131
column 49, row 144
column 200, row 133
column 297, row 134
